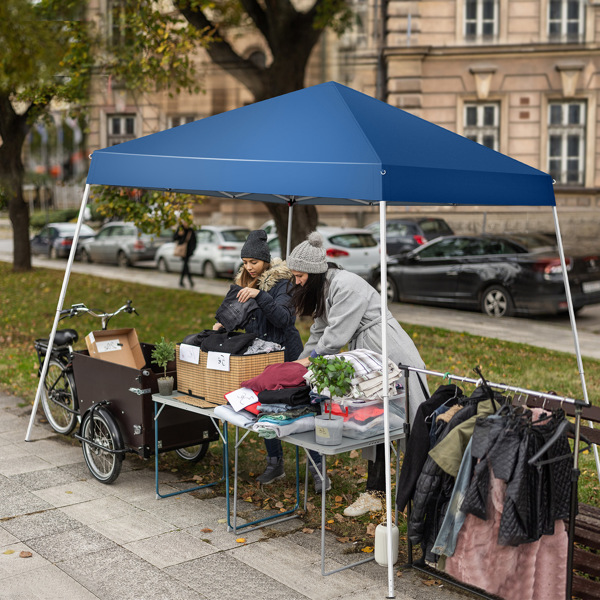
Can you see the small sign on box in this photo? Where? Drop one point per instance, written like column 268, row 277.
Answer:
column 219, row 361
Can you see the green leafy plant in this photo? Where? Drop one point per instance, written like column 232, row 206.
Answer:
column 163, row 353
column 334, row 374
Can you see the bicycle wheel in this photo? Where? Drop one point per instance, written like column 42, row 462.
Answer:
column 60, row 398
column 100, row 427
column 193, row 453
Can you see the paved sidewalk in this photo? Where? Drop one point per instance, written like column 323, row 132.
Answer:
column 94, row 541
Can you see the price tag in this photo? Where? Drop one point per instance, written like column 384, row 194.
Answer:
column 109, row 345
column 190, row 354
column 241, row 398
column 219, row 361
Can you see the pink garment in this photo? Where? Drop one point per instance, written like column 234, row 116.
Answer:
column 277, row 377
column 535, row 571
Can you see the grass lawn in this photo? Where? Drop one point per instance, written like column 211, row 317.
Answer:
column 28, row 305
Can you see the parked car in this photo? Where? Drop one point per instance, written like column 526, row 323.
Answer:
column 406, row 234
column 355, row 250
column 499, row 275
column 55, row 239
column 217, row 252
column 271, row 229
column 123, row 244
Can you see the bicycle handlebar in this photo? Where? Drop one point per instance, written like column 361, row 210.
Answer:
column 77, row 309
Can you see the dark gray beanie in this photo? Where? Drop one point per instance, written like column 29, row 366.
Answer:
column 256, row 246
column 309, row 256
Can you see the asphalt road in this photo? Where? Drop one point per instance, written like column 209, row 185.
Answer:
column 552, row 332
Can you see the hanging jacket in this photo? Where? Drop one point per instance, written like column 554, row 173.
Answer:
column 275, row 319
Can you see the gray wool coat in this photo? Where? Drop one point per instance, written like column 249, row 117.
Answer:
column 353, row 317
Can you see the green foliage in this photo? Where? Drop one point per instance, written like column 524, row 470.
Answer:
column 151, row 211
column 39, row 219
column 163, row 352
column 334, row 374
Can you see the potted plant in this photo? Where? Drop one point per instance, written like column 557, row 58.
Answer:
column 332, row 377
column 163, row 353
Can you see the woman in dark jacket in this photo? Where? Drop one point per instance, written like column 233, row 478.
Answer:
column 267, row 282
column 185, row 235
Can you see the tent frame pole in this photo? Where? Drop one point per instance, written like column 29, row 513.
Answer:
column 288, row 242
column 573, row 326
column 59, row 306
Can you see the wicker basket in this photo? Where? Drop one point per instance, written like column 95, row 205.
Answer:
column 212, row 385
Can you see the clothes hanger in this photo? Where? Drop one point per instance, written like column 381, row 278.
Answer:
column 564, row 427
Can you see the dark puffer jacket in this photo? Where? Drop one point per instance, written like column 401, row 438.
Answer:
column 275, row 320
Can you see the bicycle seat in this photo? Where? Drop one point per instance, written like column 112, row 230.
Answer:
column 65, row 337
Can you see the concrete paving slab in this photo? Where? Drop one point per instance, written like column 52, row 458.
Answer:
column 170, row 549
column 101, row 509
column 69, row 493
column 40, row 524
column 6, row 537
column 8, row 487
column 222, row 576
column 21, row 504
column 11, row 562
column 38, row 432
column 39, row 480
column 9, row 422
column 70, row 544
column 132, row 527
column 12, row 450
column 118, row 574
column 181, row 511
column 49, row 451
column 49, row 583
column 25, row 464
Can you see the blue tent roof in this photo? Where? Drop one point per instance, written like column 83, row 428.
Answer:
column 327, row 144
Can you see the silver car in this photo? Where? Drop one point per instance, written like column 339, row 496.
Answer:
column 353, row 249
column 123, row 244
column 217, row 252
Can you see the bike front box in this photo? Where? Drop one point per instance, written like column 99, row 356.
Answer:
column 119, row 346
column 128, row 392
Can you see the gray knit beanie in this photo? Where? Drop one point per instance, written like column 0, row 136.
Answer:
column 256, row 246
column 309, row 256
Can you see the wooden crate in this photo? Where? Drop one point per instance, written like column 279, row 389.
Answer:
column 212, row 385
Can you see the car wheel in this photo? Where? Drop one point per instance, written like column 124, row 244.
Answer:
column 392, row 290
column 122, row 259
column 496, row 302
column 208, row 270
column 163, row 267
column 85, row 256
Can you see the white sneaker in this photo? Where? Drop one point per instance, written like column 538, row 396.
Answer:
column 365, row 503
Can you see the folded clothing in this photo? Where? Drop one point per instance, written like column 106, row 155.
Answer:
column 294, row 396
column 241, row 418
column 273, row 430
column 277, row 376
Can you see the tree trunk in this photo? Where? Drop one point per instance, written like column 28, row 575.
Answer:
column 13, row 131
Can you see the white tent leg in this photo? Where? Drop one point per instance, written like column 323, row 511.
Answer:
column 386, row 414
column 573, row 325
column 288, row 244
column 61, row 300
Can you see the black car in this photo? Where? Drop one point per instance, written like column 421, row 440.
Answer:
column 406, row 234
column 498, row 275
column 55, row 239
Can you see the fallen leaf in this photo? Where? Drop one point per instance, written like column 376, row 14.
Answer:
column 9, row 552
column 279, row 504
column 248, row 499
column 371, row 528
column 241, row 540
column 353, row 454
column 222, row 521
column 25, row 554
column 367, row 549
column 431, row 582
column 67, row 492
column 398, row 573
column 330, row 521
column 339, row 518
column 206, row 530
column 343, row 540
column 338, row 498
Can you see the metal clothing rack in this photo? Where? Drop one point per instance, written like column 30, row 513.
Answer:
column 579, row 406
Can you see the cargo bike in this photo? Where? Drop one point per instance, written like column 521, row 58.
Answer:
column 110, row 404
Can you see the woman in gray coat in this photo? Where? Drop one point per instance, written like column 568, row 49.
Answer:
column 347, row 311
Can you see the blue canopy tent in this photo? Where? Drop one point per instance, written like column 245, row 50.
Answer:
column 326, row 144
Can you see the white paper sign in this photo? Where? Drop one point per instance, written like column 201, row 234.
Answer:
column 92, row 338
column 219, row 361
column 109, row 345
column 190, row 354
column 241, row 398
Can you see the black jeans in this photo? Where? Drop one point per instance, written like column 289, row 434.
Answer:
column 186, row 271
column 376, row 471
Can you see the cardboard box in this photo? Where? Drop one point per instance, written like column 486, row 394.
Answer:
column 119, row 346
column 200, row 381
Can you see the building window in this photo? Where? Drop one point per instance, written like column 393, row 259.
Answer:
column 566, row 142
column 482, row 124
column 481, row 19
column 357, row 35
column 120, row 128
column 176, row 120
column 565, row 20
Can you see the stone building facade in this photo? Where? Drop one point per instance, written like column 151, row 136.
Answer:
column 519, row 76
